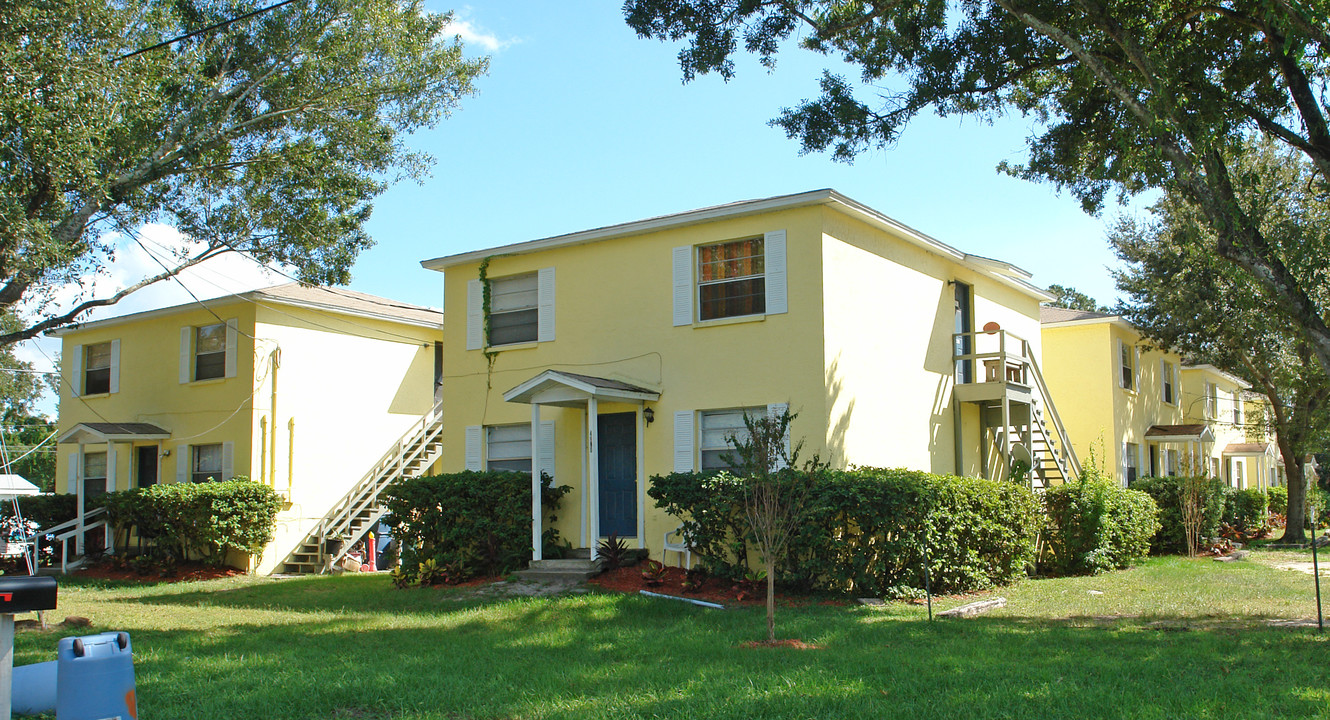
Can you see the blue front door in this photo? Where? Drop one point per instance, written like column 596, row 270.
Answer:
column 618, row 473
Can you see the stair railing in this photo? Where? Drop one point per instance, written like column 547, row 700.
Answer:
column 1064, row 449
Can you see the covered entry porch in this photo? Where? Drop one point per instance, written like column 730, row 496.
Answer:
column 612, row 475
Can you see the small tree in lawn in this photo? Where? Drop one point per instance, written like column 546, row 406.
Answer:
column 774, row 491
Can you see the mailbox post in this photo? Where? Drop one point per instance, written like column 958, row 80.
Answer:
column 19, row 594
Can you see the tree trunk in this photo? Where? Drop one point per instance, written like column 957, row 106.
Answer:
column 1295, row 530
column 771, row 601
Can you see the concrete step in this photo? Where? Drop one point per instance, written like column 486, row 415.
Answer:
column 553, row 576
column 568, row 564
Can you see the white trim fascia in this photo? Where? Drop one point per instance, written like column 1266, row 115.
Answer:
column 1221, row 373
column 1005, row 273
column 578, row 385
column 1111, row 319
column 256, row 297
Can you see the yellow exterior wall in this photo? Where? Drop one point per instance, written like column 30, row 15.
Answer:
column 865, row 367
column 353, row 385
column 613, row 320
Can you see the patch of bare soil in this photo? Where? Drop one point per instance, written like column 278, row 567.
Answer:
column 184, row 572
column 792, row 644
column 716, row 590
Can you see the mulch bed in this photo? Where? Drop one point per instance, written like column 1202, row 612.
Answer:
column 184, row 572
column 716, row 590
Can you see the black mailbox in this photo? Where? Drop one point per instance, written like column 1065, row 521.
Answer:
column 26, row 593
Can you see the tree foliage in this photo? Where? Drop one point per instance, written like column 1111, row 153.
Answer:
column 1128, row 95
column 1184, row 298
column 1073, row 299
column 270, row 135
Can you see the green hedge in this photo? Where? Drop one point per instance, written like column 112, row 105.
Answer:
column 1094, row 526
column 863, row 530
column 179, row 521
column 1247, row 511
column 468, row 523
column 48, row 510
column 1166, row 491
column 1277, row 498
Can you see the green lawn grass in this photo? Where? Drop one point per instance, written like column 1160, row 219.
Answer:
column 1174, row 638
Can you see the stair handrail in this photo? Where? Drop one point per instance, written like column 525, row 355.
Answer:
column 374, row 479
column 1051, row 410
column 382, row 474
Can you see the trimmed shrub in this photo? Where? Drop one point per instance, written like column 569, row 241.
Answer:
column 864, row 530
column 1246, row 512
column 1277, row 497
column 457, row 526
column 1167, row 494
column 49, row 509
column 1094, row 526
column 207, row 521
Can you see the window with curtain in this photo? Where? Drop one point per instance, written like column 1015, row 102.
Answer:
column 210, row 351
column 97, row 368
column 514, row 310
column 206, row 463
column 508, row 448
column 731, row 279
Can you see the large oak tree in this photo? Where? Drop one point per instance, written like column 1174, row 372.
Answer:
column 1128, row 95
column 270, row 135
column 1184, row 298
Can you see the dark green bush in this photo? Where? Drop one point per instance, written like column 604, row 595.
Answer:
column 864, row 530
column 1246, row 511
column 50, row 509
column 1277, row 497
column 179, row 521
column 1094, row 526
column 1166, row 491
column 467, row 523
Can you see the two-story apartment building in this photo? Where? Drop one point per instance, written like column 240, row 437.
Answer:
column 301, row 388
column 607, row 356
column 1143, row 411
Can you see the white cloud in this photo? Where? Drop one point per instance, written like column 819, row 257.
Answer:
column 473, row 34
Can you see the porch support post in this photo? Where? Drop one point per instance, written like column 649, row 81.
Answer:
column 80, row 486
column 585, row 504
column 535, row 483
column 593, row 472
column 111, row 463
column 640, row 470
column 1004, row 464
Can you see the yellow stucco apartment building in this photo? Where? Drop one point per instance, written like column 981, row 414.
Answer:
column 607, row 356
column 1144, row 413
column 312, row 391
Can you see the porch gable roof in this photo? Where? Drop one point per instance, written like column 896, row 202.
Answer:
column 556, row 387
column 1180, row 433
column 100, row 432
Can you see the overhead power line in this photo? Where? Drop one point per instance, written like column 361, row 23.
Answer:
column 202, row 31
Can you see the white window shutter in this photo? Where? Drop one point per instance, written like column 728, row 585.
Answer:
column 474, row 433
column 1121, row 384
column 228, row 460
column 115, row 366
column 1136, row 369
column 182, row 458
column 683, row 441
column 76, row 379
column 75, row 472
column 683, row 285
column 775, row 410
column 1177, row 384
column 545, row 454
column 545, row 310
column 777, row 294
column 475, row 315
column 186, row 372
column 232, row 333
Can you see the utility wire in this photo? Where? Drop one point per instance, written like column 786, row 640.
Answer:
column 196, row 33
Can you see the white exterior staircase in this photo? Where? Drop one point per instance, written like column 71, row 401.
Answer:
column 359, row 511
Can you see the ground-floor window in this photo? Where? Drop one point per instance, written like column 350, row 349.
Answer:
column 508, row 448
column 718, row 427
column 94, row 474
column 1170, row 462
column 1129, row 455
column 206, row 463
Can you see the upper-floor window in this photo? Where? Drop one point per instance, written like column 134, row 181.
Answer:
column 1170, row 391
column 97, row 368
column 1211, row 401
column 1237, row 409
column 210, row 351
column 514, row 310
column 734, row 278
column 521, row 310
column 731, row 279
column 1126, row 366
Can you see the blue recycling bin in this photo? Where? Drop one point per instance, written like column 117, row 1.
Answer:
column 95, row 678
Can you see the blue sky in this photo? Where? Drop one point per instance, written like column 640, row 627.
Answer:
column 581, row 124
